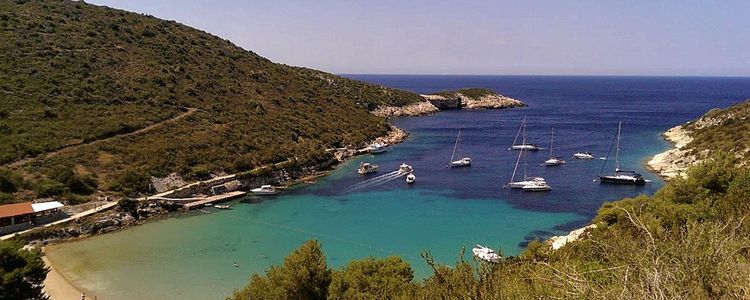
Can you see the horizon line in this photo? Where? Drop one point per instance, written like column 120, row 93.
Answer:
column 544, row 75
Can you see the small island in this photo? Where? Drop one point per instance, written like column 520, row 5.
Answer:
column 468, row 98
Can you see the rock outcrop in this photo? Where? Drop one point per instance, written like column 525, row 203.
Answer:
column 556, row 242
column 674, row 162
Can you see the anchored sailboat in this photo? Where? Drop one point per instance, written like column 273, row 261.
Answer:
column 620, row 176
column 553, row 160
column 526, row 179
column 523, row 145
column 464, row 161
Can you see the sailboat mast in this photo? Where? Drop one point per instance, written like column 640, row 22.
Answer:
column 513, row 177
column 456, row 145
column 617, row 154
column 519, row 130
column 552, row 138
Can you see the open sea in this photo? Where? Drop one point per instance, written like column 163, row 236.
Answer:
column 191, row 256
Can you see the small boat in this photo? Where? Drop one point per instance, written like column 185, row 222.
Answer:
column 525, row 182
column 583, row 155
column 376, row 148
column 621, row 176
column 221, row 206
column 264, row 190
column 366, row 168
column 552, row 160
column 411, row 178
column 406, row 169
column 524, row 145
column 486, row 254
column 539, row 186
column 463, row 162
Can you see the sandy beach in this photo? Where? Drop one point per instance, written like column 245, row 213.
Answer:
column 57, row 287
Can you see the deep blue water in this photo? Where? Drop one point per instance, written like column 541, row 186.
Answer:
column 446, row 209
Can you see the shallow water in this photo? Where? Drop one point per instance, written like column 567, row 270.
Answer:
column 191, row 257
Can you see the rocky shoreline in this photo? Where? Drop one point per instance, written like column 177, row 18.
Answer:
column 673, row 162
column 437, row 102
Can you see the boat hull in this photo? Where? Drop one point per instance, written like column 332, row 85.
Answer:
column 525, row 147
column 620, row 180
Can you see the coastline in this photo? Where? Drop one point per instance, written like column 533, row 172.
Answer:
column 56, row 286
column 675, row 161
column 434, row 103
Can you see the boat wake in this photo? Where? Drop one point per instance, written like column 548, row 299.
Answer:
column 372, row 182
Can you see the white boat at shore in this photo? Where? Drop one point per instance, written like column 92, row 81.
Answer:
column 221, row 206
column 523, row 145
column 583, row 155
column 552, row 160
column 464, row 161
column 486, row 254
column 376, row 148
column 264, row 190
column 366, row 168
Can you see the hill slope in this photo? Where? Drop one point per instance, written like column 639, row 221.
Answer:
column 717, row 131
column 82, row 79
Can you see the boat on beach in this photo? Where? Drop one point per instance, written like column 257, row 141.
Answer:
column 366, row 168
column 464, row 161
column 523, row 145
column 552, row 160
column 266, row 189
column 583, row 155
column 620, row 176
column 485, row 254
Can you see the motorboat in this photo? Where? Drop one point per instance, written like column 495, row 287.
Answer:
column 524, row 145
column 486, row 254
column 621, row 176
column 377, row 147
column 221, row 206
column 366, row 168
column 463, row 162
column 411, row 178
column 583, row 155
column 264, row 190
column 552, row 160
column 406, row 169
column 539, row 186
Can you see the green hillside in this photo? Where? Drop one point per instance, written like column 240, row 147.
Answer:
column 74, row 75
column 722, row 130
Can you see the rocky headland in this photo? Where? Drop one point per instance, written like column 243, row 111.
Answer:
column 673, row 162
column 473, row 98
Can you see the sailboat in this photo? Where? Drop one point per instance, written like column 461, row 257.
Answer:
column 464, row 161
column 620, row 176
column 523, row 145
column 552, row 160
column 526, row 179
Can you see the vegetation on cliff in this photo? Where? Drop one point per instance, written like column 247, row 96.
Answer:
column 690, row 240
column 474, row 93
column 721, row 130
column 115, row 97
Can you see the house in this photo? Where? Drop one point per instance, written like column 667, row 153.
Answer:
column 20, row 216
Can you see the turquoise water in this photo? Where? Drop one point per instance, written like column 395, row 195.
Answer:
column 191, row 256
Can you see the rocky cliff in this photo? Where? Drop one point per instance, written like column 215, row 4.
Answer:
column 459, row 99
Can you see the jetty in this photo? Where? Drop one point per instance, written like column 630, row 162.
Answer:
column 196, row 202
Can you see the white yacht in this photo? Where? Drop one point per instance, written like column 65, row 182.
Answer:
column 464, row 161
column 583, row 155
column 539, row 186
column 552, row 160
column 486, row 254
column 366, row 168
column 524, row 145
column 376, row 148
column 264, row 190
column 526, row 179
column 404, row 168
column 411, row 178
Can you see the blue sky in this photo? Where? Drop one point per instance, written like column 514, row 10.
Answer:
column 705, row 38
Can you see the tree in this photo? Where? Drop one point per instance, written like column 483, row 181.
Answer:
column 304, row 275
column 372, row 278
column 21, row 272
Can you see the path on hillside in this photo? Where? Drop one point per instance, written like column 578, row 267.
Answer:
column 75, row 146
